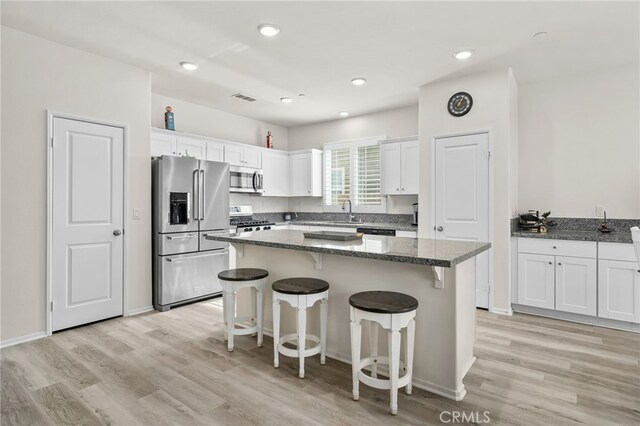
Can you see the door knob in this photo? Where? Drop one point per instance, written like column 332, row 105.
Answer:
column 117, row 232
column 440, row 229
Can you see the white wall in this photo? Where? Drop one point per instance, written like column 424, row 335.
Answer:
column 580, row 144
column 395, row 123
column 493, row 109
column 38, row 75
column 206, row 121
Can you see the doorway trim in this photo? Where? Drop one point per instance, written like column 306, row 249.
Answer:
column 125, row 206
column 432, row 188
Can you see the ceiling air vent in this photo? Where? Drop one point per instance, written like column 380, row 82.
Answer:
column 244, row 97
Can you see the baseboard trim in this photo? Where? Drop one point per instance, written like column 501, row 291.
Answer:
column 22, row 339
column 501, row 311
column 578, row 318
column 138, row 311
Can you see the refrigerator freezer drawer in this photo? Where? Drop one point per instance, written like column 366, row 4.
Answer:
column 187, row 276
column 212, row 245
column 177, row 243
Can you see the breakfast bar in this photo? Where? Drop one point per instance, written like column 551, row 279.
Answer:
column 439, row 274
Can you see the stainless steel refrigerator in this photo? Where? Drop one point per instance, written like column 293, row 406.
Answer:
column 190, row 201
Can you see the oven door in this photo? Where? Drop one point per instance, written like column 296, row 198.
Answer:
column 243, row 179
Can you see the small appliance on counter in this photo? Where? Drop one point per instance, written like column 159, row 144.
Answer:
column 533, row 222
column 415, row 215
column 604, row 226
column 241, row 218
column 287, row 217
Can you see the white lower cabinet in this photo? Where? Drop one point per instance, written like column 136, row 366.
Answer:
column 576, row 285
column 619, row 290
column 536, row 280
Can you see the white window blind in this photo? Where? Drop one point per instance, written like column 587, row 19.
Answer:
column 352, row 172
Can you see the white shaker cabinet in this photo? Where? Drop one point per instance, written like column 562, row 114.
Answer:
column 536, row 280
column 576, row 285
column 399, row 168
column 162, row 144
column 243, row 156
column 275, row 169
column 306, row 173
column 618, row 283
column 191, row 147
column 215, row 151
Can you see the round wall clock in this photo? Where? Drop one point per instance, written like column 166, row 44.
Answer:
column 460, row 104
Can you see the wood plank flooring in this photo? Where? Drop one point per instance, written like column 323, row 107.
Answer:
column 173, row 369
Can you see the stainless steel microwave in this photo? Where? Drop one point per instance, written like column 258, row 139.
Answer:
column 244, row 179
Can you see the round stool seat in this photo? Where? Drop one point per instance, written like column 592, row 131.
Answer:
column 300, row 285
column 383, row 302
column 243, row 274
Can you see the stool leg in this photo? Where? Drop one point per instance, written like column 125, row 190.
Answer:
column 356, row 334
column 323, row 330
column 394, row 369
column 254, row 307
column 276, row 331
column 302, row 335
column 373, row 346
column 224, row 312
column 259, row 297
column 411, row 334
column 229, row 302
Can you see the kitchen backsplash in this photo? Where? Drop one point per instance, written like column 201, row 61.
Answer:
column 404, row 219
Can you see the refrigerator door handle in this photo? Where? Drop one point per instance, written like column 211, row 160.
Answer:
column 178, row 259
column 196, row 196
column 202, row 192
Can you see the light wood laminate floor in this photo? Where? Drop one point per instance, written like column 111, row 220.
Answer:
column 173, row 368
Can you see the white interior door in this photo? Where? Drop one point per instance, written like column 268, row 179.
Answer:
column 87, row 218
column 462, row 198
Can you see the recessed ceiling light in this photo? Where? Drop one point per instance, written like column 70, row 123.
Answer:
column 359, row 81
column 268, row 30
column 344, row 114
column 286, row 100
column 463, row 54
column 540, row 35
column 189, row 66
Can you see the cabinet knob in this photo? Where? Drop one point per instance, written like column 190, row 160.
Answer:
column 559, row 264
column 403, row 189
column 550, row 263
column 397, row 189
column 555, row 247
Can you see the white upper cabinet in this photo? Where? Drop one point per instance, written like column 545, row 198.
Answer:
column 191, row 147
column 215, row 151
column 162, row 144
column 241, row 156
column 306, row 173
column 275, row 169
column 399, row 168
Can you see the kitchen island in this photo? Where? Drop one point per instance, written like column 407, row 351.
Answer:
column 440, row 274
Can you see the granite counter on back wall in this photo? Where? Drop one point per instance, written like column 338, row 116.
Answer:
column 399, row 222
column 582, row 229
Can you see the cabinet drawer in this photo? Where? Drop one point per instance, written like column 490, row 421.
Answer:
column 557, row 247
column 617, row 251
column 184, row 242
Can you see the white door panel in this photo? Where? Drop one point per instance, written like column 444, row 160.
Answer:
column 88, row 197
column 462, row 198
column 410, row 168
column 576, row 285
column 191, row 147
column 619, row 290
column 536, row 280
column 390, row 155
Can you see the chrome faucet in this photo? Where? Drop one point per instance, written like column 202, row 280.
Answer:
column 351, row 215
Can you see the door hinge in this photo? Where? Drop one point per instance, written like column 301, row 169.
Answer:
column 52, row 144
column 488, row 155
column 52, row 306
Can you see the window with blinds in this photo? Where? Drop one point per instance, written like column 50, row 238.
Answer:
column 352, row 172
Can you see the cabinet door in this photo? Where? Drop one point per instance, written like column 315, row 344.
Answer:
column 275, row 167
column 190, row 147
column 162, row 144
column 576, row 285
column 536, row 280
column 252, row 158
column 233, row 155
column 300, row 175
column 390, row 175
column 407, row 234
column 619, row 290
column 409, row 167
column 215, row 151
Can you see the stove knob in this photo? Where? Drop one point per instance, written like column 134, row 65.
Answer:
column 257, row 228
column 248, row 229
column 265, row 228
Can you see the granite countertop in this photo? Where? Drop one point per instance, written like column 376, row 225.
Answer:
column 382, row 225
column 420, row 251
column 617, row 236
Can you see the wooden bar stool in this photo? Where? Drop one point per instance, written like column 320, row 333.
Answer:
column 300, row 293
column 393, row 312
column 233, row 280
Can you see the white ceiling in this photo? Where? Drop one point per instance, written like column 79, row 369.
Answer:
column 397, row 46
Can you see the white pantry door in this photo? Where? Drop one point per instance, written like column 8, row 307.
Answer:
column 87, row 218
column 462, row 198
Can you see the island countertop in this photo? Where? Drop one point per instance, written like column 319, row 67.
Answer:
column 420, row 251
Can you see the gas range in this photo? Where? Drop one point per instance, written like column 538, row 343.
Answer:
column 241, row 217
